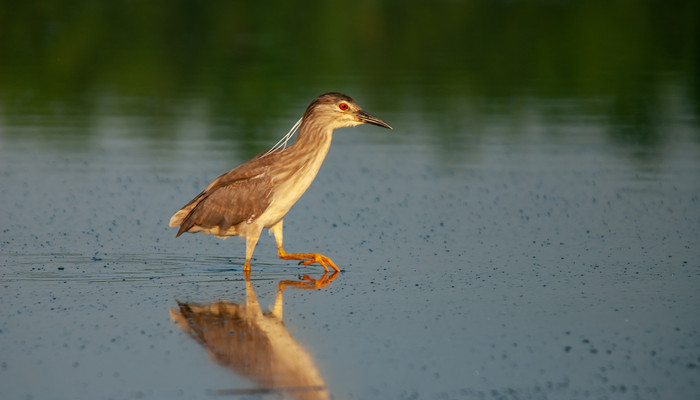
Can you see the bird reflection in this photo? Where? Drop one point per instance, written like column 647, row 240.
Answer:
column 254, row 344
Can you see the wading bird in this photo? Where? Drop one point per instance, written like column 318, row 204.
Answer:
column 259, row 193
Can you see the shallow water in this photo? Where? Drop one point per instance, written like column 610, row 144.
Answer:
column 537, row 240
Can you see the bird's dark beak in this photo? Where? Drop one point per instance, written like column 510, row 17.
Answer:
column 366, row 118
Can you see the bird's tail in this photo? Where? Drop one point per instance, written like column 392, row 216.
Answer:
column 181, row 217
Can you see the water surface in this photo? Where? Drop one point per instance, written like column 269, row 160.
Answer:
column 528, row 230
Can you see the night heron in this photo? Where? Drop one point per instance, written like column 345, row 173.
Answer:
column 259, row 193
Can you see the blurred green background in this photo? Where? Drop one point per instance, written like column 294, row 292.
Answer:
column 246, row 70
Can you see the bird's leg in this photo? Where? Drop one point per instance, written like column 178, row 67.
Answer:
column 307, row 258
column 251, row 239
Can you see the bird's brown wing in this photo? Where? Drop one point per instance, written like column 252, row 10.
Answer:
column 241, row 194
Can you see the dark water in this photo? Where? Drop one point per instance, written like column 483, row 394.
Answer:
column 530, row 229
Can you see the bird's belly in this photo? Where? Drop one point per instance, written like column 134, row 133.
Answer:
column 280, row 206
column 285, row 197
column 272, row 216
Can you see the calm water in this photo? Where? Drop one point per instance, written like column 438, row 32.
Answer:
column 529, row 230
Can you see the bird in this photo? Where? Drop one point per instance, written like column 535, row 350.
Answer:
column 259, row 193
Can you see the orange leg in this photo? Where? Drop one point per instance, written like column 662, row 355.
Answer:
column 307, row 258
column 250, row 241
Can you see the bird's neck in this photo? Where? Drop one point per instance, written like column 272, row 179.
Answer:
column 303, row 159
column 313, row 140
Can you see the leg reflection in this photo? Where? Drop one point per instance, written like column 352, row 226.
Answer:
column 308, row 283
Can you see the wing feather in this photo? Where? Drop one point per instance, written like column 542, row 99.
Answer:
column 241, row 194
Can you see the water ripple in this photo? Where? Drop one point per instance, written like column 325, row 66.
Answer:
column 134, row 267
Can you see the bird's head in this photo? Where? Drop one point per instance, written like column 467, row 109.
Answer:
column 337, row 110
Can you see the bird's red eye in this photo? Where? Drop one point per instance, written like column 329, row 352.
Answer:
column 343, row 106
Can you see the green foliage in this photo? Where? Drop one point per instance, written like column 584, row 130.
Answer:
column 449, row 62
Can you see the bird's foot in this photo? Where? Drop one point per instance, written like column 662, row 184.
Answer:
column 310, row 258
